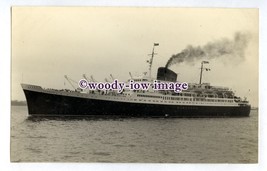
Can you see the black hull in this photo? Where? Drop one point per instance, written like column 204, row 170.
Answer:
column 46, row 104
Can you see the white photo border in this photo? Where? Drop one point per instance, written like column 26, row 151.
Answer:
column 5, row 72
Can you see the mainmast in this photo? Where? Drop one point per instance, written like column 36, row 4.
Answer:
column 201, row 70
column 151, row 59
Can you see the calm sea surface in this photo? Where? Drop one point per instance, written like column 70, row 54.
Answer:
column 138, row 140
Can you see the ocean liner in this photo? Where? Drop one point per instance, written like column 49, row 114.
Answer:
column 199, row 100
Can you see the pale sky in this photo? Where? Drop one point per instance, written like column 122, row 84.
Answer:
column 50, row 42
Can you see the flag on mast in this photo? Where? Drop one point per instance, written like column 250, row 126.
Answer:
column 156, row 44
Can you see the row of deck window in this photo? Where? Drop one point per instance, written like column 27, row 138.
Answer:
column 186, row 99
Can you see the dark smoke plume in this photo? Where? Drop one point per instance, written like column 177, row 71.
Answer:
column 222, row 48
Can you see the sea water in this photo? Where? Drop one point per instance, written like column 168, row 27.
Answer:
column 133, row 140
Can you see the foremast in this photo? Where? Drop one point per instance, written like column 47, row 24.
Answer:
column 150, row 62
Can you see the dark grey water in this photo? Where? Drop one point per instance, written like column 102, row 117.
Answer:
column 151, row 140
